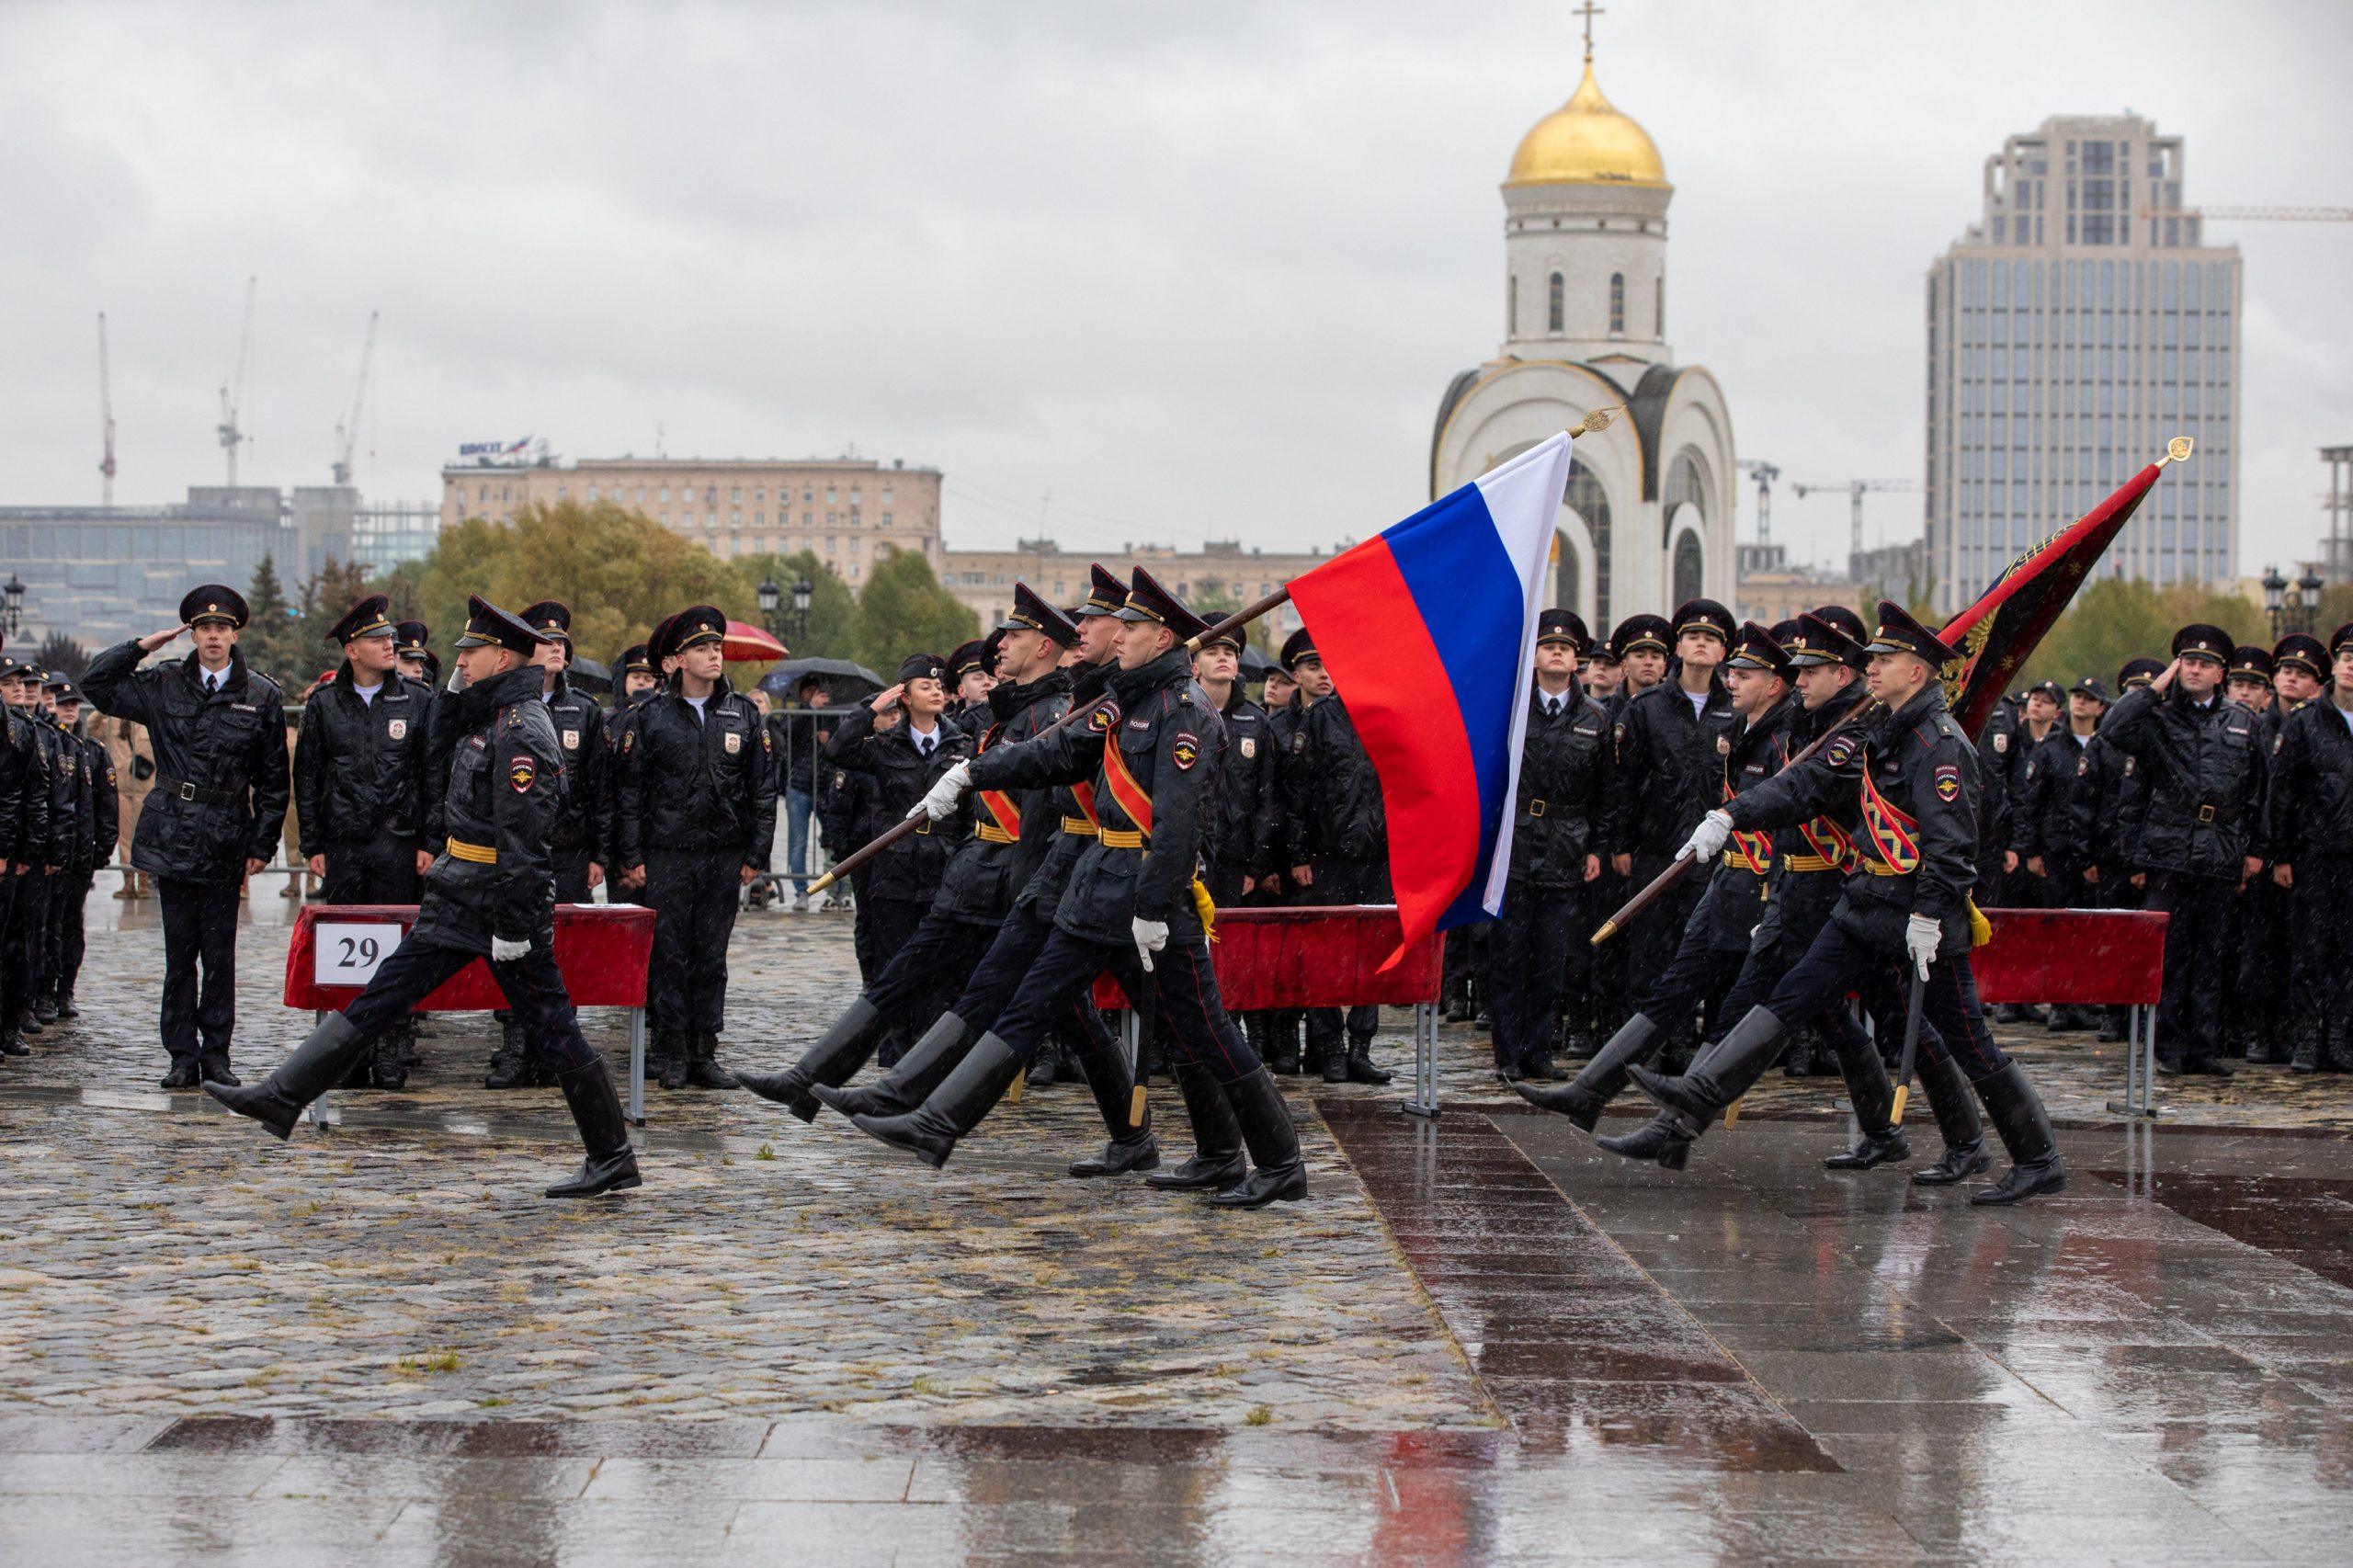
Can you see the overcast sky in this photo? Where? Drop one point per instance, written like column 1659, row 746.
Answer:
column 1198, row 270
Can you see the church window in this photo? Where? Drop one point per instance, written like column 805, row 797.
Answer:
column 1658, row 302
column 1511, row 308
column 1590, row 502
column 1616, row 305
column 1688, row 566
column 1555, row 312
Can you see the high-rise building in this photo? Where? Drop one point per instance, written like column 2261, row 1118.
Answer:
column 2073, row 330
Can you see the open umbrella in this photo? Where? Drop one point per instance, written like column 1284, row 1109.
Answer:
column 1255, row 664
column 843, row 681
column 588, row 675
column 746, row 644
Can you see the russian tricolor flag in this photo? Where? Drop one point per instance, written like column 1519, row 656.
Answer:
column 1430, row 631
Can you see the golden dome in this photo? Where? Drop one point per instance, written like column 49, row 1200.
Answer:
column 1587, row 141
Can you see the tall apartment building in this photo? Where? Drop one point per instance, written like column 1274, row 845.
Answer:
column 2072, row 330
column 850, row 512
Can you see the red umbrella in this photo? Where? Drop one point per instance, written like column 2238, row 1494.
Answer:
column 749, row 645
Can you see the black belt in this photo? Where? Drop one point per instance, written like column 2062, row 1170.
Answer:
column 185, row 791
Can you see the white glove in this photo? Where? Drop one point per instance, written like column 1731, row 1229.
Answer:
column 504, row 951
column 1709, row 837
column 1921, row 935
column 1151, row 937
column 940, row 802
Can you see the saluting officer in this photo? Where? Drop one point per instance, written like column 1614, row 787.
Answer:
column 2310, row 831
column 2205, row 768
column 97, row 771
column 24, row 840
column 696, row 816
column 214, row 816
column 359, row 765
column 1907, row 898
column 1539, row 945
column 490, row 893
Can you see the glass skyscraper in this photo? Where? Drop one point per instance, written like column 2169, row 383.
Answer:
column 2070, row 331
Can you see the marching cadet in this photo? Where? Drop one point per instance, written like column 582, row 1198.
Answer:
column 359, row 764
column 695, row 815
column 24, row 842
column 2042, row 822
column 1671, row 743
column 1539, row 945
column 490, row 893
column 2310, row 831
column 1707, row 950
column 1133, row 907
column 1337, row 832
column 2205, row 768
column 100, row 787
column 1907, row 898
column 219, row 731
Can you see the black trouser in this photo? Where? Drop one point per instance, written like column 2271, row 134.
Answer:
column 70, row 939
column 2320, row 997
column 992, row 983
column 1605, row 999
column 200, row 932
column 1191, row 1021
column 692, row 893
column 861, row 930
column 2199, row 963
column 533, row 986
column 1533, row 956
column 1804, row 909
column 2260, row 1008
column 927, row 968
column 571, row 867
column 1839, row 962
column 16, row 972
column 34, row 892
column 1651, row 950
column 65, row 891
column 381, row 870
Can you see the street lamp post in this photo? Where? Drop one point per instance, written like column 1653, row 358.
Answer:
column 771, row 595
column 802, row 596
column 2275, row 598
column 2308, row 589
column 12, row 611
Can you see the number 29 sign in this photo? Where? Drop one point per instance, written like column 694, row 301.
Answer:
column 346, row 953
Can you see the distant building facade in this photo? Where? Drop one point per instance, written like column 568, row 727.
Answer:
column 101, row 575
column 1221, row 571
column 2073, row 330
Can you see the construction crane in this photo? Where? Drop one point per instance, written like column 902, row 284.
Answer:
column 1766, row 475
column 105, row 420
column 232, row 437
column 346, row 429
column 1856, row 489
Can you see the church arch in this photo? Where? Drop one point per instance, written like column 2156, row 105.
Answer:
column 1686, row 485
column 1689, row 573
column 1555, row 309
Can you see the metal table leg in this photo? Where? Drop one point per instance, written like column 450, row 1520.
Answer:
column 2140, row 1065
column 321, row 1114
column 1425, row 1100
column 637, row 1066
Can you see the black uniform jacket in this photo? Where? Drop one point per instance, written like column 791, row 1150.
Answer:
column 1669, row 767
column 69, row 804
column 896, row 774
column 1154, row 757
column 2105, row 808
column 1011, row 829
column 1073, row 804
column 1733, row 904
column 221, row 780
column 1282, row 724
column 24, row 793
column 1331, row 805
column 1811, row 859
column 1243, row 835
column 696, row 785
column 2205, row 769
column 580, row 735
column 1998, row 745
column 622, row 719
column 1906, row 784
column 494, row 874
column 359, row 767
column 1565, row 767
column 2057, row 771
column 2311, row 807
column 105, row 803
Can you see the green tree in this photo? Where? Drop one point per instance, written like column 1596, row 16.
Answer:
column 326, row 598
column 271, row 641
column 905, row 609
column 60, row 654
column 2115, row 619
column 832, row 608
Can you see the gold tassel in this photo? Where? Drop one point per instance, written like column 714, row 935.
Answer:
column 1981, row 930
column 1207, row 910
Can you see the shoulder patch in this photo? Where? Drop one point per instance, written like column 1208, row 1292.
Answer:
column 1187, row 751
column 1841, row 750
column 1948, row 781
column 520, row 771
column 1101, row 719
column 629, row 737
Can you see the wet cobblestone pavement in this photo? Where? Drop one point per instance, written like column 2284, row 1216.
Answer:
column 1482, row 1340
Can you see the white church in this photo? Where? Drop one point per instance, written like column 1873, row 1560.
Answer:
column 1648, row 519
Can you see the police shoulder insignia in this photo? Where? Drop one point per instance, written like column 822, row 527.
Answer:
column 1103, row 718
column 520, row 772
column 628, row 738
column 109, row 775
column 1187, row 751
column 513, row 717
column 767, row 742
column 2001, row 743
column 1947, row 780
column 1841, row 751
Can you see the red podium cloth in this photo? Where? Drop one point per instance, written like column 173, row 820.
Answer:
column 2075, row 957
column 601, row 947
column 1312, row 957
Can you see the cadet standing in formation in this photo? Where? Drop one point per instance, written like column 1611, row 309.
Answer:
column 94, row 844
column 64, row 810
column 1238, row 847
column 214, row 816
column 24, row 849
column 2310, row 832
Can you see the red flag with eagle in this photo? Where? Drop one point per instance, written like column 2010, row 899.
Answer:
column 1997, row 632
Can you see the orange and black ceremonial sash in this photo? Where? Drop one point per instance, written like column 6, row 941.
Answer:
column 1125, row 789
column 1894, row 837
column 1084, row 795
column 1753, row 850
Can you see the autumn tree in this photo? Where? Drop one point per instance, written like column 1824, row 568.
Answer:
column 906, row 610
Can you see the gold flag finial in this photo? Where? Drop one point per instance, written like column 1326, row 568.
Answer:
column 1596, row 419
column 2176, row 451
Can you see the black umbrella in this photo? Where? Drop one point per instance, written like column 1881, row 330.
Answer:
column 588, row 675
column 1255, row 664
column 842, row 680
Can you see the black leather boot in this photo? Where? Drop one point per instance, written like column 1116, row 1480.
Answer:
column 1662, row 1139
column 44, row 1008
column 388, row 1059
column 611, row 1164
column 212, row 1067
column 511, row 1064
column 309, row 1071
column 1359, row 1067
column 1581, row 1098
column 1726, row 1071
column 674, row 1048
column 930, row 1131
column 65, row 1008
column 1274, row 1037
column 1955, row 1104
column 12, row 1043
column 1131, row 1145
column 704, row 1070
column 1281, row 1175
column 910, row 1081
column 182, row 1074
column 1333, row 1058
column 28, row 1020
column 839, row 1052
column 1218, row 1160
column 1873, row 1094
column 2025, row 1129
